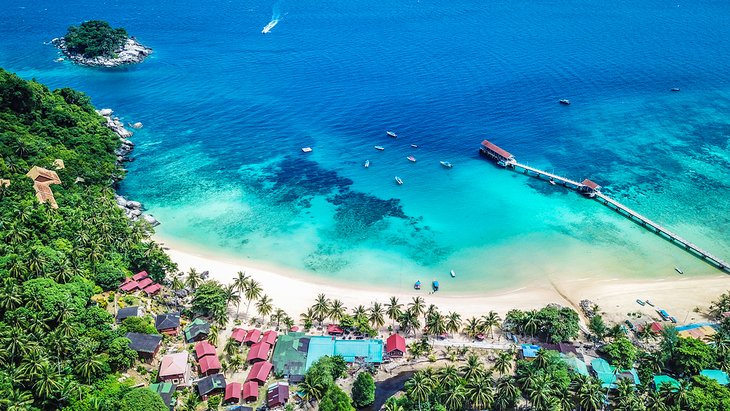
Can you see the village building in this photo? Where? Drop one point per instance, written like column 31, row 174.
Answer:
column 168, row 324
column 258, row 352
column 260, row 372
column 250, row 391
column 146, row 345
column 395, row 346
column 588, row 188
column 290, row 356
column 197, row 330
column 232, row 393
column 174, row 368
column 252, row 337
column 211, row 385
column 127, row 312
column 238, row 335
column 42, row 180
column 491, row 150
column 269, row 337
column 166, row 391
column 277, row 395
column 204, row 348
column 209, row 365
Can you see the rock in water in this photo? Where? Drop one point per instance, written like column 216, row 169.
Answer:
column 151, row 220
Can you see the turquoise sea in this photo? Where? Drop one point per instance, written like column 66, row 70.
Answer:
column 227, row 109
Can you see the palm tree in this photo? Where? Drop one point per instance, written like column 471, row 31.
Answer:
column 288, row 322
column 542, row 359
column 235, row 363
column 176, row 284
column 240, row 284
column 47, row 381
column 435, row 324
column 376, row 316
column 418, row 388
column 264, row 307
column 321, row 308
column 472, row 327
column 479, row 393
column 453, row 322
column 408, row 321
column 252, row 292
column 89, row 366
column 360, row 312
column 453, row 399
column 232, row 296
column 530, row 325
column 449, row 376
column 473, row 368
column 231, row 347
column 307, row 317
column 504, row 361
column 279, row 315
column 394, row 309
column 213, row 335
column 587, row 393
column 193, row 279
column 417, row 306
column 540, row 392
column 507, row 394
column 16, row 399
column 337, row 311
column 490, row 321
column 392, row 405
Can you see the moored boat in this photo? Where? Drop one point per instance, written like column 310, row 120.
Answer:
column 391, row 134
column 446, row 164
column 435, row 285
column 307, row 149
column 398, row 180
column 453, row 273
column 417, row 285
column 679, row 270
column 411, row 159
column 649, row 303
column 367, row 163
column 552, row 181
column 641, row 303
column 674, row 89
column 414, row 145
column 379, row 148
column 564, row 101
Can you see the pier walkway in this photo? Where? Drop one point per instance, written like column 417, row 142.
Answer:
column 592, row 190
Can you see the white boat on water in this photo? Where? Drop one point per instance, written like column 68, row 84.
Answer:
column 679, row 270
column 411, row 159
column 367, row 163
column 379, row 148
column 307, row 149
column 453, row 273
column 398, row 180
column 391, row 134
column 446, row 164
column 564, row 102
column 414, row 145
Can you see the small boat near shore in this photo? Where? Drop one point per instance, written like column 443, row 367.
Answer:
column 379, row 148
column 640, row 302
column 564, row 102
column 649, row 303
column 417, row 285
column 446, row 164
column 367, row 163
column 411, row 159
column 307, row 149
column 391, row 134
column 552, row 181
column 679, row 270
column 453, row 274
column 398, row 180
column 414, row 145
column 435, row 285
column 674, row 89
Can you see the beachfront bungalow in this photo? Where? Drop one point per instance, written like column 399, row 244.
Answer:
column 605, row 372
column 128, row 286
column 575, row 364
column 127, row 312
column 168, row 324
column 269, row 337
column 204, row 348
column 232, row 394
column 277, row 395
column 491, row 150
column 211, row 385
column 360, row 351
column 140, row 276
column 702, row 332
column 395, row 346
column 165, row 391
column 250, row 391
column 238, row 335
column 174, row 368
column 146, row 345
column 197, row 330
column 290, row 356
column 660, row 380
column 144, row 283
column 152, row 289
column 252, row 337
column 529, row 351
column 42, row 180
column 335, row 330
column 258, row 352
column 717, row 375
column 589, row 188
column 260, row 372
column 209, row 365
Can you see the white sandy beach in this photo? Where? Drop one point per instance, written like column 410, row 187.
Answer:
column 294, row 292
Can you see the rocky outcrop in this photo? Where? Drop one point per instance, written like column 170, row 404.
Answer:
column 134, row 210
column 131, row 53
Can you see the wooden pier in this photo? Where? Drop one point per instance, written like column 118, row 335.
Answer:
column 592, row 190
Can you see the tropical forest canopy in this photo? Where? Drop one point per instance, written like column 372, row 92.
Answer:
column 95, row 38
column 57, row 345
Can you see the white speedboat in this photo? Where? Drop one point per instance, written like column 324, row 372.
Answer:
column 411, row 159
column 379, row 148
column 391, row 134
column 307, row 149
column 398, row 180
column 367, row 163
column 453, row 273
column 564, row 101
column 679, row 270
column 414, row 145
column 446, row 164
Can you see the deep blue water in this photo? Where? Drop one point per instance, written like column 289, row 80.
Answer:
column 226, row 110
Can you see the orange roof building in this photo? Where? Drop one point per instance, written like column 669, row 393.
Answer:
column 42, row 179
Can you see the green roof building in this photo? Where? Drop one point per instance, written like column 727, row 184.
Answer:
column 197, row 330
column 290, row 355
column 166, row 391
column 574, row 364
column 659, row 380
column 605, row 372
column 717, row 375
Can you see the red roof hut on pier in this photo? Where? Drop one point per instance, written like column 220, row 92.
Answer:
column 589, row 188
column 489, row 149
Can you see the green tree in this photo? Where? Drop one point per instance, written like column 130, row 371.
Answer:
column 597, row 326
column 363, row 390
column 95, row 38
column 692, row 355
column 142, row 399
column 394, row 310
column 121, row 356
column 209, row 300
column 621, row 353
column 335, row 400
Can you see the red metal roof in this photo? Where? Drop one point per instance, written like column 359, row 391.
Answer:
column 152, row 289
column 492, row 147
column 144, row 283
column 259, row 352
column 140, row 275
column 334, row 329
column 129, row 285
column 238, row 335
column 656, row 327
column 233, row 391
column 250, row 391
column 590, row 184
column 252, row 336
column 209, row 363
column 260, row 372
column 395, row 342
column 270, row 337
column 204, row 348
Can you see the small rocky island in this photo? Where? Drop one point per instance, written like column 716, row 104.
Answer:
column 95, row 43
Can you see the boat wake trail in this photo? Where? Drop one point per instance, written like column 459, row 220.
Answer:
column 275, row 17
